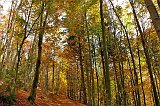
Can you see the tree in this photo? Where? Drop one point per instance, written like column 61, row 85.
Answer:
column 154, row 15
column 32, row 96
column 105, row 52
column 147, row 56
column 96, row 52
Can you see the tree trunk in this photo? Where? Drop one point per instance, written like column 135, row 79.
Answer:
column 90, row 60
column 53, row 66
column 32, row 96
column 147, row 54
column 154, row 15
column 58, row 79
column 21, row 44
column 30, row 63
column 132, row 56
column 46, row 77
column 105, row 52
column 82, row 72
column 88, row 81
column 97, row 77
column 158, row 1
column 140, row 69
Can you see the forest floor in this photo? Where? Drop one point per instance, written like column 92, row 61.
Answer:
column 41, row 100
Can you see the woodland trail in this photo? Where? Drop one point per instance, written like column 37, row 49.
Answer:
column 42, row 100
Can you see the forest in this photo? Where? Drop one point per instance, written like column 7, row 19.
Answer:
column 79, row 52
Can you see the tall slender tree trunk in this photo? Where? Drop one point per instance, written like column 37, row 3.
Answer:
column 32, row 96
column 132, row 56
column 118, row 92
column 154, row 15
column 30, row 63
column 158, row 1
column 21, row 44
column 140, row 69
column 58, row 79
column 8, row 50
column 53, row 66
column 132, row 83
column 6, row 39
column 88, row 81
column 46, row 76
column 122, row 78
column 82, row 72
column 106, row 61
column 90, row 60
column 147, row 56
column 97, row 76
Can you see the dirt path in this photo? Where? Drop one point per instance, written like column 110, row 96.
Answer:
column 61, row 100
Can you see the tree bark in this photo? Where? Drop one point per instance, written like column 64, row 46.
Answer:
column 105, row 52
column 90, row 60
column 97, row 76
column 46, row 76
column 158, row 2
column 21, row 44
column 154, row 15
column 146, row 55
column 53, row 66
column 32, row 96
column 82, row 72
column 88, row 81
column 132, row 56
